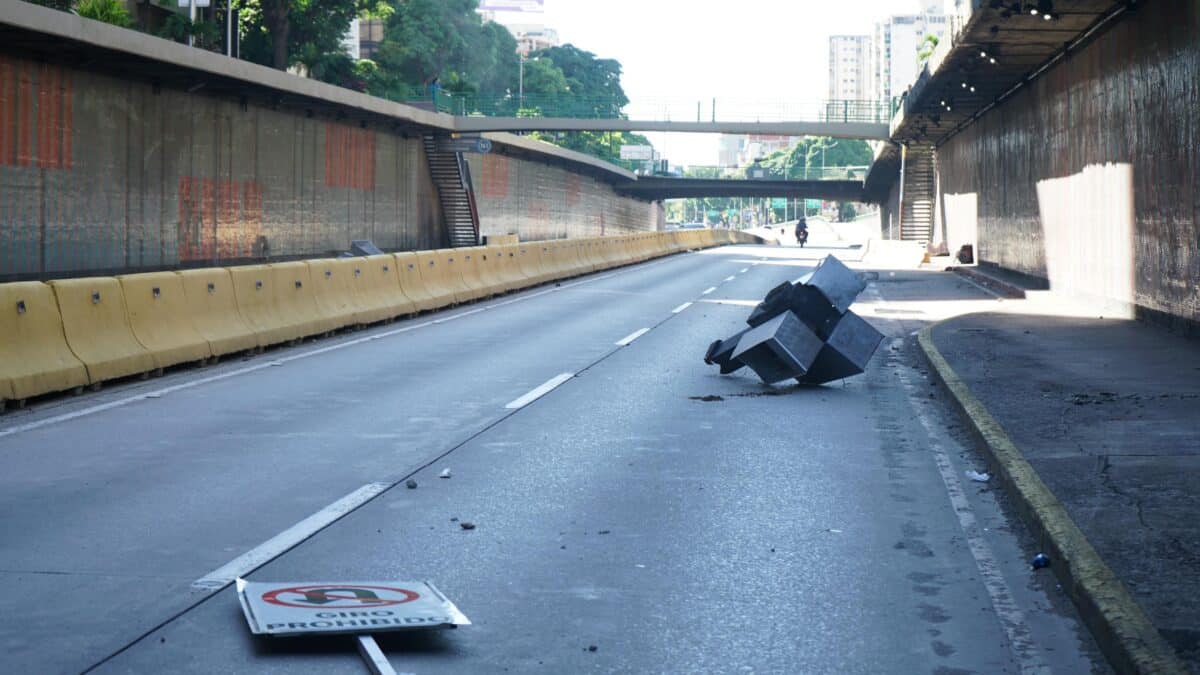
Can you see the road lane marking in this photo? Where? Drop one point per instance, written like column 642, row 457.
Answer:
column 158, row 393
column 730, row 278
column 280, row 543
column 540, row 391
column 374, row 657
column 709, row 290
column 1010, row 615
column 632, row 336
column 681, row 308
column 743, row 270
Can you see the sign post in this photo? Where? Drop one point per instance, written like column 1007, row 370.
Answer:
column 358, row 608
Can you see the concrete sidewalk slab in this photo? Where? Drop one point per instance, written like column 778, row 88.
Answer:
column 1105, row 413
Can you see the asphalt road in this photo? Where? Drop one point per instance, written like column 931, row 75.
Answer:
column 784, row 529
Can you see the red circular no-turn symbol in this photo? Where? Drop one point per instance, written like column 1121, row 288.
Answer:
column 339, row 597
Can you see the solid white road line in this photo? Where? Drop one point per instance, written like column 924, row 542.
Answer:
column 539, row 392
column 743, row 270
column 255, row 557
column 709, row 290
column 681, row 308
column 730, row 278
column 632, row 336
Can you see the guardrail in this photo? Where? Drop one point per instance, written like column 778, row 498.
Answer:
column 657, row 110
column 754, row 172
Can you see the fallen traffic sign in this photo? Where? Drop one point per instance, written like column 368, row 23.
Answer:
column 357, row 607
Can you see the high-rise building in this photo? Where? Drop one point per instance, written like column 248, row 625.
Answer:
column 849, row 67
column 896, row 43
column 532, row 37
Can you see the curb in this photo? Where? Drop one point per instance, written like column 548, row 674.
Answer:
column 1003, row 288
column 1122, row 630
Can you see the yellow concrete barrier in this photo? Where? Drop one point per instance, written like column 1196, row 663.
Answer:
column 485, row 267
column 253, row 286
column 411, row 283
column 160, row 318
column 213, row 307
column 35, row 358
column 468, row 260
column 591, row 250
column 334, row 290
column 97, row 328
column 378, row 284
column 453, row 263
column 561, row 257
column 529, row 260
column 500, row 239
column 444, row 287
column 491, row 260
column 294, row 298
column 510, row 266
column 578, row 252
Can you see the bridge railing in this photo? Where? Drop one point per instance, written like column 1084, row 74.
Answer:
column 767, row 173
column 659, row 110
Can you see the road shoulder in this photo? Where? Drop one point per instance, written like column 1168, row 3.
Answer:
column 1126, row 635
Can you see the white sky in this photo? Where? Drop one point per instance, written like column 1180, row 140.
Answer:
column 773, row 50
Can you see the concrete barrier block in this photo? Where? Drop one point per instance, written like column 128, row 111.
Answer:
column 253, row 286
column 213, row 307
column 483, row 261
column 452, row 263
column 382, row 295
column 510, row 267
column 96, row 325
column 444, row 288
column 35, row 358
column 161, row 319
column 292, row 288
column 470, row 266
column 529, row 260
column 334, row 290
column 411, row 283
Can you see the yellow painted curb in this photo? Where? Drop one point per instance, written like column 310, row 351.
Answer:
column 1122, row 630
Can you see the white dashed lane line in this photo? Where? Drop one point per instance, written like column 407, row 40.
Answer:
column 632, row 336
column 540, row 391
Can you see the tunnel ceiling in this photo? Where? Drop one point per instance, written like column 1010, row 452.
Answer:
column 1020, row 43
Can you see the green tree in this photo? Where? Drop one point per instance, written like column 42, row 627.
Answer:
column 444, row 39
column 544, row 79
column 283, row 33
column 108, row 11
column 595, row 83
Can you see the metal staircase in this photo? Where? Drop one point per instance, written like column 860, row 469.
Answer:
column 452, row 177
column 916, row 222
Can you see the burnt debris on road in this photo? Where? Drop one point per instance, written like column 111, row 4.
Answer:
column 803, row 330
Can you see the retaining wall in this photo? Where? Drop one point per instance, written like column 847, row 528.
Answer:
column 1089, row 177
column 100, row 174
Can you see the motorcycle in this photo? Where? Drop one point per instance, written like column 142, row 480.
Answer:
column 802, row 237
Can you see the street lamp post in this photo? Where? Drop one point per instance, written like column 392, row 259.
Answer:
column 521, row 82
column 823, row 147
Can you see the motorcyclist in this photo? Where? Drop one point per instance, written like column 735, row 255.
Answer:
column 802, row 231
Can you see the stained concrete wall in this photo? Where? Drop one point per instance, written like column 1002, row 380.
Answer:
column 1089, row 177
column 99, row 174
column 541, row 201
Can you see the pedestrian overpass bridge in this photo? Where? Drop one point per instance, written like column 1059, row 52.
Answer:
column 867, row 120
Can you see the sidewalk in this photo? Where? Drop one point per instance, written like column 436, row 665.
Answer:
column 1107, row 414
